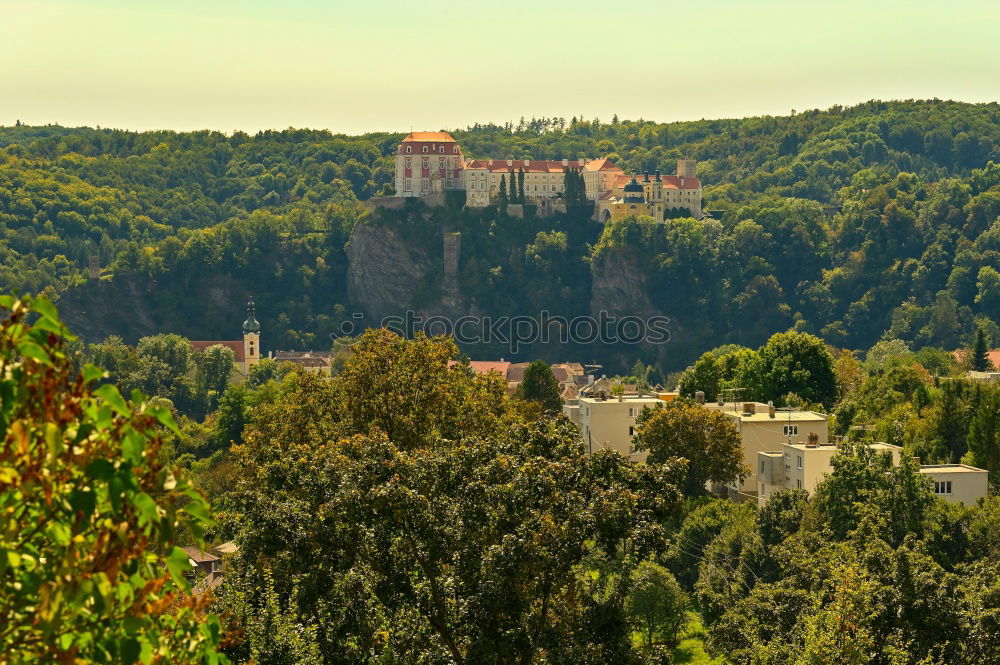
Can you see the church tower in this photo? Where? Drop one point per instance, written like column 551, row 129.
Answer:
column 251, row 339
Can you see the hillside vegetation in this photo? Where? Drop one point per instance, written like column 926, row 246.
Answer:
column 850, row 223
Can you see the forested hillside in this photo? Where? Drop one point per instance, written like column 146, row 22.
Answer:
column 851, row 223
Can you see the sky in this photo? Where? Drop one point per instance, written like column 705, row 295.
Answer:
column 392, row 65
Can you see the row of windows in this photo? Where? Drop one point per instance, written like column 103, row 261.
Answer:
column 791, row 430
column 409, row 148
column 942, row 487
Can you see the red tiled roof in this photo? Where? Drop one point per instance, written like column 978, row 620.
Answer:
column 669, row 181
column 235, row 344
column 437, row 137
column 993, row 355
column 602, row 164
column 538, row 165
column 486, row 366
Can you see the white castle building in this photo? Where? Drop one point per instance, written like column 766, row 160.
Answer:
column 430, row 163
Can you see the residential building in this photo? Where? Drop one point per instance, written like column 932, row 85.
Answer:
column 567, row 374
column 957, row 483
column 764, row 428
column 319, row 362
column 803, row 466
column 609, row 423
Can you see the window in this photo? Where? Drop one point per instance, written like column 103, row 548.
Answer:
column 762, row 467
column 798, row 483
column 791, row 430
column 632, row 411
column 631, row 431
column 942, row 487
column 425, row 148
column 407, row 186
column 409, row 148
column 798, row 460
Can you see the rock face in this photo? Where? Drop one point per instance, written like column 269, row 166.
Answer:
column 383, row 273
column 619, row 286
column 386, row 276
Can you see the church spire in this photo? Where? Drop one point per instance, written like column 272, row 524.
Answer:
column 251, row 325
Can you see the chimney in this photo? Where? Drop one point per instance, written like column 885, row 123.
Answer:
column 749, row 407
column 813, row 439
column 510, row 162
column 527, row 162
column 699, row 397
column 916, row 460
column 770, row 410
column 565, row 163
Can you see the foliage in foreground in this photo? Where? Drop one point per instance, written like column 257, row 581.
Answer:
column 88, row 514
column 461, row 538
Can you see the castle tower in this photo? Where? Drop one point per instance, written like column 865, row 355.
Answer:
column 251, row 339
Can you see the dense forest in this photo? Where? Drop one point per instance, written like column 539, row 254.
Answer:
column 409, row 511
column 855, row 224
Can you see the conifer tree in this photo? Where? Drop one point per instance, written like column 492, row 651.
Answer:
column 512, row 187
column 520, row 185
column 980, row 357
column 502, row 199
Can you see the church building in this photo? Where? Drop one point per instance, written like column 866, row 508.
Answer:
column 246, row 352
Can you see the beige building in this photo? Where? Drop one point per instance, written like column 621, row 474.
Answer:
column 659, row 196
column 957, row 483
column 609, row 422
column 765, row 428
column 429, row 163
column 803, row 466
column 543, row 179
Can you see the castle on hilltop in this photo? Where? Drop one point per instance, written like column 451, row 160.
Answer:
column 431, row 163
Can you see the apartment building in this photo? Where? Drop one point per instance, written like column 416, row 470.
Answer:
column 609, row 423
column 803, row 466
column 765, row 428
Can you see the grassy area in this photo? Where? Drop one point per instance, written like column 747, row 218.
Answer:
column 691, row 650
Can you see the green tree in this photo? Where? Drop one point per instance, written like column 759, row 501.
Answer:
column 980, row 353
column 539, row 385
column 797, row 363
column 466, row 550
column 657, row 606
column 706, row 438
column 88, row 567
column 502, row 198
column 983, row 441
column 520, row 185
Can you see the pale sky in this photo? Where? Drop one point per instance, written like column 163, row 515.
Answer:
column 441, row 64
